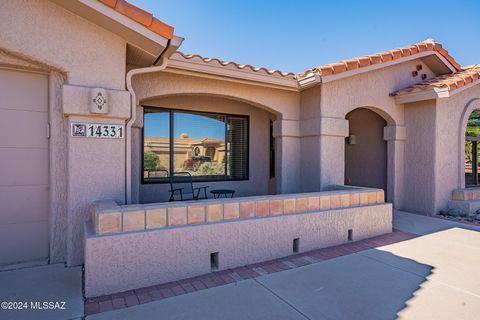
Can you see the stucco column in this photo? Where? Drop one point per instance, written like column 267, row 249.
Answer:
column 287, row 156
column 331, row 133
column 96, row 165
column 323, row 152
column 395, row 136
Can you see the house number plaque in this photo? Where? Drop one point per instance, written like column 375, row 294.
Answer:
column 97, row 130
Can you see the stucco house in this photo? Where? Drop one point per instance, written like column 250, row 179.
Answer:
column 89, row 87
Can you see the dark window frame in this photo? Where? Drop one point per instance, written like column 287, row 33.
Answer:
column 475, row 155
column 271, row 142
column 171, row 111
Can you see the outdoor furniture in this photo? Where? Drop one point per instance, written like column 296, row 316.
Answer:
column 181, row 184
column 227, row 193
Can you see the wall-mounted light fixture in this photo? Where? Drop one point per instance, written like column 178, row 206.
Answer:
column 414, row 73
column 419, row 67
column 352, row 139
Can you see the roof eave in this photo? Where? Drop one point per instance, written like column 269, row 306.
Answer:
column 309, row 80
column 235, row 75
column 422, row 95
column 465, row 87
column 431, row 93
column 133, row 32
column 175, row 43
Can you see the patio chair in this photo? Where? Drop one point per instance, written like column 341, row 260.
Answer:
column 182, row 184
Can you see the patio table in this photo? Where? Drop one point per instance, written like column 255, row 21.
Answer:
column 227, row 193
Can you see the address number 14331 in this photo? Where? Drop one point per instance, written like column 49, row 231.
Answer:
column 97, row 130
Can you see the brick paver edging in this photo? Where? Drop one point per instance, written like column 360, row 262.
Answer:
column 143, row 295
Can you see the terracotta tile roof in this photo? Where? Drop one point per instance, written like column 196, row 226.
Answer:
column 451, row 81
column 141, row 16
column 218, row 62
column 339, row 67
column 365, row 61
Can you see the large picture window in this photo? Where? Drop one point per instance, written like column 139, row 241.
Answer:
column 210, row 146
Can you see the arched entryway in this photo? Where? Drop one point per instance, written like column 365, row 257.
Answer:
column 366, row 150
column 472, row 149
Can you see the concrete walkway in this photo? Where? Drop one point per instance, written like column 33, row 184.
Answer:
column 418, row 224
column 430, row 277
column 50, row 283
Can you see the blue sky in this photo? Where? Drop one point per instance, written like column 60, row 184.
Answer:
column 296, row 35
column 157, row 125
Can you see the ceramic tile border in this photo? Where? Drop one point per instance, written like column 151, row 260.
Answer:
column 109, row 218
column 466, row 194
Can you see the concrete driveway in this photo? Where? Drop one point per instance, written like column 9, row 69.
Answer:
column 45, row 284
column 430, row 277
column 434, row 276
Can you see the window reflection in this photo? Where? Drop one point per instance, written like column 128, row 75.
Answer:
column 199, row 144
column 206, row 145
column 156, row 155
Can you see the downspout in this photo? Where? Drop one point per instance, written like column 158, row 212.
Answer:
column 133, row 117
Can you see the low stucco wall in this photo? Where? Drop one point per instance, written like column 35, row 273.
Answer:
column 129, row 260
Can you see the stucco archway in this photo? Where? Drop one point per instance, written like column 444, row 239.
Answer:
column 226, row 97
column 366, row 150
column 471, row 106
column 164, row 84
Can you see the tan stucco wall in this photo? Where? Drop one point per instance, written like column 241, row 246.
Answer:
column 310, row 146
column 310, row 125
column 420, row 162
column 45, row 32
column 96, row 166
column 435, row 149
column 452, row 116
column 369, row 90
column 284, row 103
column 72, row 51
column 258, row 182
